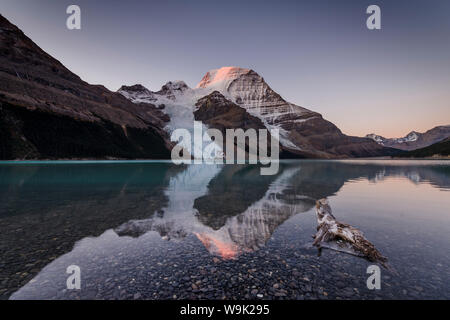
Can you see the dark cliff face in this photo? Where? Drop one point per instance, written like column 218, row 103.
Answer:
column 220, row 113
column 322, row 139
column 46, row 111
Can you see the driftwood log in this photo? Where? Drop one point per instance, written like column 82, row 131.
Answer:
column 339, row 236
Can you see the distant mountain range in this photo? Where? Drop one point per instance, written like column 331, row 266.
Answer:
column 414, row 140
column 48, row 112
column 439, row 149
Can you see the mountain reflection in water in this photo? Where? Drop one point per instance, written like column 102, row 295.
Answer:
column 230, row 234
column 232, row 209
column 239, row 209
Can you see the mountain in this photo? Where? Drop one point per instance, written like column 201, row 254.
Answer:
column 217, row 112
column 137, row 91
column 220, row 113
column 46, row 111
column 439, row 149
column 303, row 133
column 410, row 137
column 413, row 140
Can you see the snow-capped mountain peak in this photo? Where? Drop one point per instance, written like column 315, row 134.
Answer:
column 412, row 136
column 248, row 89
column 173, row 89
column 378, row 139
column 221, row 78
column 137, row 93
column 301, row 131
column 171, row 86
column 414, row 139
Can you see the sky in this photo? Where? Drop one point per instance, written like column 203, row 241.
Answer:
column 317, row 54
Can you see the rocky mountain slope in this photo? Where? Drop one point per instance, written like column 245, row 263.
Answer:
column 219, row 113
column 439, row 149
column 414, row 140
column 303, row 133
column 46, row 111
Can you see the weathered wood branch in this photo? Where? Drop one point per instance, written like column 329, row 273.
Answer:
column 343, row 236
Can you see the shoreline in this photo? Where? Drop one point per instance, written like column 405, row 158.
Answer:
column 114, row 160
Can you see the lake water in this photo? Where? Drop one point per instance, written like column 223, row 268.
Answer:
column 154, row 230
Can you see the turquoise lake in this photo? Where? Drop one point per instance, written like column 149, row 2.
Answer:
column 155, row 230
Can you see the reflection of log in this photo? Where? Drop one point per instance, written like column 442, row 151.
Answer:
column 343, row 236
